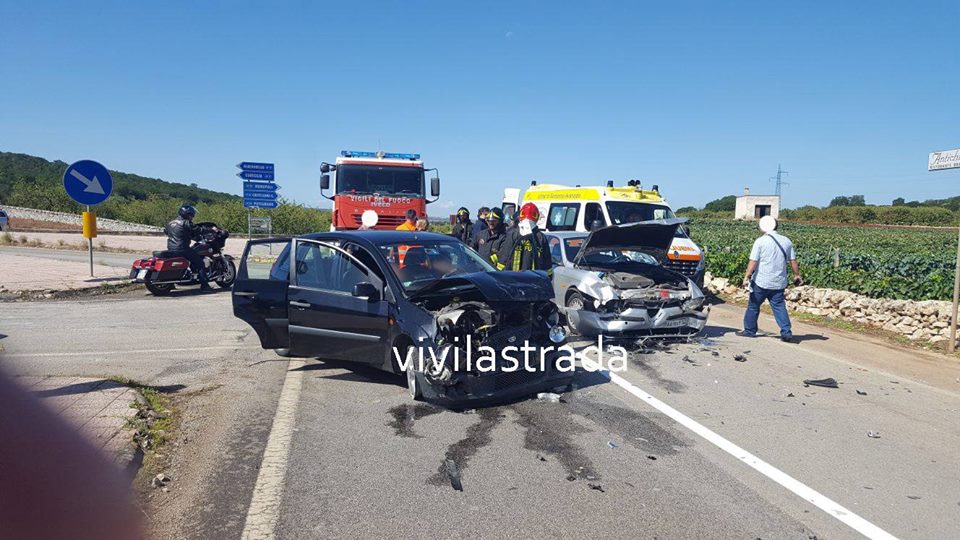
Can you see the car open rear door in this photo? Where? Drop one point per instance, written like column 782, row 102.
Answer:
column 337, row 306
column 260, row 290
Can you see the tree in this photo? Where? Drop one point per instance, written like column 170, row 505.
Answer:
column 723, row 204
column 840, row 200
column 899, row 201
column 857, row 200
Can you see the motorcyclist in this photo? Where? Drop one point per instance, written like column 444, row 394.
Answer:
column 487, row 243
column 463, row 228
column 524, row 247
column 180, row 232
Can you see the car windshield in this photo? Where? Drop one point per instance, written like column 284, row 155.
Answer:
column 606, row 257
column 383, row 180
column 421, row 262
column 634, row 212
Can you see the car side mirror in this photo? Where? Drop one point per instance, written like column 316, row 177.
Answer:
column 686, row 229
column 325, row 182
column 324, row 168
column 435, row 186
column 366, row 290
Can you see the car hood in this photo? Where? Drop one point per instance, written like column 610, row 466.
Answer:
column 497, row 286
column 654, row 237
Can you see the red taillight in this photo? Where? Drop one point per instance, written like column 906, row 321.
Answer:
column 664, row 293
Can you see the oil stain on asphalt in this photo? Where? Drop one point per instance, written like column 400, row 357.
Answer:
column 458, row 454
column 674, row 387
column 406, row 415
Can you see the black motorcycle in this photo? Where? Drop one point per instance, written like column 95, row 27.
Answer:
column 167, row 269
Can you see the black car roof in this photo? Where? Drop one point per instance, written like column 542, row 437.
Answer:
column 380, row 237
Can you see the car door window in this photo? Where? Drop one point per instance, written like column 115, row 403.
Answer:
column 593, row 212
column 555, row 254
column 319, row 266
column 268, row 260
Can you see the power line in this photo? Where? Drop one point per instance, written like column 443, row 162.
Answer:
column 779, row 179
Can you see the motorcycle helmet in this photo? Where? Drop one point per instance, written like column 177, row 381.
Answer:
column 188, row 212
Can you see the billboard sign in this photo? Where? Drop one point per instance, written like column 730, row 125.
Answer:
column 944, row 159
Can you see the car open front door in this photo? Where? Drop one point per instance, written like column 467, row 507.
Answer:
column 260, row 290
column 337, row 306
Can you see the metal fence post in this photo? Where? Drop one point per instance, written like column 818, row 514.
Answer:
column 956, row 299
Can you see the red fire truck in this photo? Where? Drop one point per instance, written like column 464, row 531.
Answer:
column 385, row 184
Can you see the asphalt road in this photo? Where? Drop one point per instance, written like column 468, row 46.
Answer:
column 364, row 460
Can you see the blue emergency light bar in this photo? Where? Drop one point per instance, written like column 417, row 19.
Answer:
column 381, row 155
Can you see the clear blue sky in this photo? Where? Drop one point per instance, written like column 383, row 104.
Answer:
column 700, row 98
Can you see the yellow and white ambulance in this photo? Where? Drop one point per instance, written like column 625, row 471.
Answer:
column 583, row 208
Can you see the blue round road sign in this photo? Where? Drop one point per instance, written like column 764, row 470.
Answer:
column 88, row 182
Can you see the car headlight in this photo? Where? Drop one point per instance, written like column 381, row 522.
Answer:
column 692, row 304
column 702, row 263
column 558, row 334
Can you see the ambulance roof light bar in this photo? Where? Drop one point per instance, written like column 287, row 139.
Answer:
column 379, row 155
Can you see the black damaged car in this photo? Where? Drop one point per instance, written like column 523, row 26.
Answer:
column 383, row 298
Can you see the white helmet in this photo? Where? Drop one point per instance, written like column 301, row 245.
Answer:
column 768, row 224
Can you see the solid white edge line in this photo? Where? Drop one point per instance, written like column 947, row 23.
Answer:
column 264, row 511
column 810, row 495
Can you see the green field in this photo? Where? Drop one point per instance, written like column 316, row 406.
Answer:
column 876, row 262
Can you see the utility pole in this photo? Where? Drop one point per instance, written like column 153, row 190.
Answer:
column 779, row 179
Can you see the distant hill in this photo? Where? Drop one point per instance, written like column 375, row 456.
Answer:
column 20, row 171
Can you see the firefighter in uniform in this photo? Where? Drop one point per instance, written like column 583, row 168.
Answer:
column 525, row 247
column 487, row 243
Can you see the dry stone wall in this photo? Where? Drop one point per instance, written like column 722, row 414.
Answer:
column 917, row 320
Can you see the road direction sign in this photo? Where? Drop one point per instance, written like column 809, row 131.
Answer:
column 253, row 175
column 87, row 182
column 254, row 166
column 248, row 203
column 260, row 195
column 260, row 186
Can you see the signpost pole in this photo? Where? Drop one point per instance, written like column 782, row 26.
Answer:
column 956, row 300
column 90, row 247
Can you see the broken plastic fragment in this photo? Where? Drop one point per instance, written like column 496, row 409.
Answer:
column 861, row 393
column 829, row 382
column 740, row 358
column 597, row 487
column 611, row 444
column 549, row 397
column 653, row 458
column 873, row 434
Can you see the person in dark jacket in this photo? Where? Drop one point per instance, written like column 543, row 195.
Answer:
column 480, row 224
column 463, row 228
column 488, row 242
column 524, row 247
column 180, row 232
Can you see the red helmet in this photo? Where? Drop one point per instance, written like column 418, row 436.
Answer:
column 529, row 211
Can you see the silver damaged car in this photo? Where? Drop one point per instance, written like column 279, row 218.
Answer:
column 611, row 282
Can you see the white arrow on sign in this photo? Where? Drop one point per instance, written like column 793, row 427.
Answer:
column 93, row 186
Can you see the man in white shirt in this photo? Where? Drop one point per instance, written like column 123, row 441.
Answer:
column 770, row 257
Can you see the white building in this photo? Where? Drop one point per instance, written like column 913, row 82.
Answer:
column 753, row 207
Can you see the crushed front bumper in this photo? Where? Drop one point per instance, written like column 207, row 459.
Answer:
column 496, row 386
column 665, row 322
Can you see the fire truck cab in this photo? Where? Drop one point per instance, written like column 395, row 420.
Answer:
column 378, row 184
column 584, row 208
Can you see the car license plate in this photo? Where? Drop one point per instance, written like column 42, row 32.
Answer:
column 142, row 274
column 677, row 323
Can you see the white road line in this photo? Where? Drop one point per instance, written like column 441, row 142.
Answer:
column 264, row 508
column 832, row 508
column 127, row 351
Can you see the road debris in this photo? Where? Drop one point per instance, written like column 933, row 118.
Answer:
column 861, row 393
column 541, row 458
column 652, row 458
column 873, row 434
column 571, row 478
column 453, row 472
column 829, row 382
column 688, row 360
column 740, row 358
column 913, row 497
column 549, row 397
column 597, row 487
column 160, row 481
column 611, row 444
column 791, row 395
